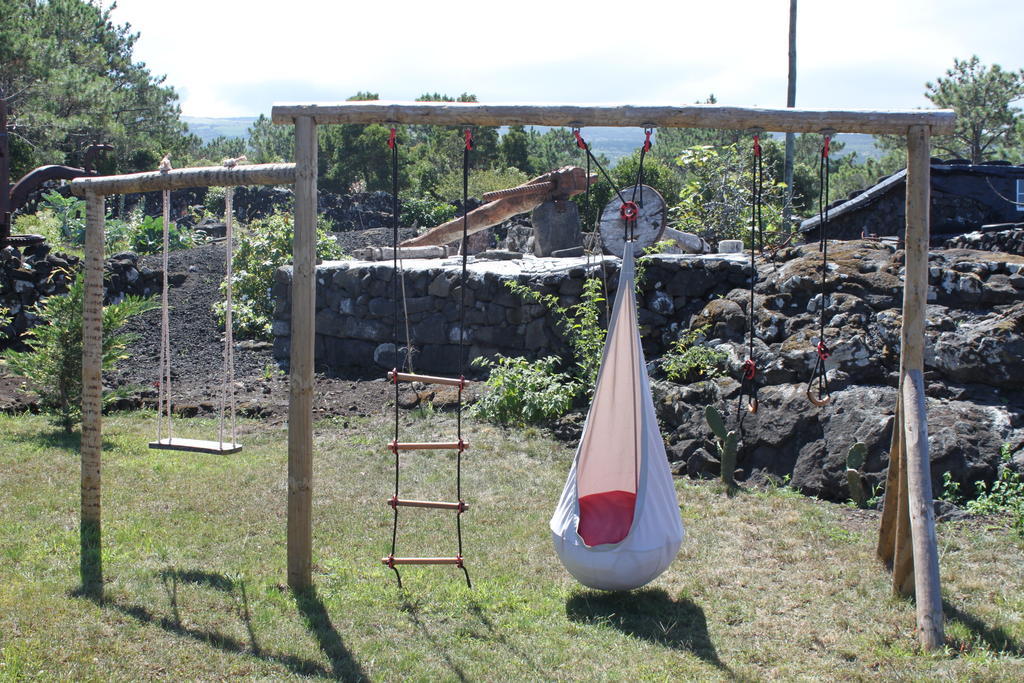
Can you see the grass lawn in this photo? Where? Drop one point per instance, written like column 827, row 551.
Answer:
column 767, row 585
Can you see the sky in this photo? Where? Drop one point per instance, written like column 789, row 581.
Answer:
column 239, row 57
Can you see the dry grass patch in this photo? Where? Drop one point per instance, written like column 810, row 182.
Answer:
column 769, row 584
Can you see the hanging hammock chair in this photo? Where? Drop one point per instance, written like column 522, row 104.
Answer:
column 617, row 525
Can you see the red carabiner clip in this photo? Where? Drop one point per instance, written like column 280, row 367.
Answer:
column 629, row 211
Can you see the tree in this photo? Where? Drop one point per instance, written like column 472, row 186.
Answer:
column 269, row 143
column 68, row 74
column 987, row 124
column 515, row 149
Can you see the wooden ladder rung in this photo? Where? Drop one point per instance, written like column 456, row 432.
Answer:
column 427, row 379
column 392, row 561
column 440, row 505
column 441, row 446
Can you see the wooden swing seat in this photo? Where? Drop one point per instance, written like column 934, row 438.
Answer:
column 196, row 446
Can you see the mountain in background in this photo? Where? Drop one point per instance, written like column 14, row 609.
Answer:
column 208, row 128
column 614, row 143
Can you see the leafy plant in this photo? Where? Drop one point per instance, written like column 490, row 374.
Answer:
column 70, row 214
column 148, row 236
column 1005, row 496
column 950, row 488
column 261, row 248
column 521, row 391
column 727, row 443
column 580, row 323
column 449, row 186
column 690, row 360
column 715, row 201
column 425, row 212
column 854, row 481
column 53, row 366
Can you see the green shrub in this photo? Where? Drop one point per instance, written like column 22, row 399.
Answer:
column 449, row 186
column 261, row 248
column 580, row 324
column 424, row 212
column 53, row 366
column 147, row 236
column 43, row 222
column 1005, row 496
column 70, row 214
column 521, row 391
column 690, row 360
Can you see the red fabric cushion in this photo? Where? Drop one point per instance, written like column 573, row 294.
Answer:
column 606, row 517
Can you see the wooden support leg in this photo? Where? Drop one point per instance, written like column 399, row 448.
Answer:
column 91, row 566
column 300, row 403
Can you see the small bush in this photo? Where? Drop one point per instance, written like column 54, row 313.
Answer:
column 1005, row 496
column 480, row 181
column 690, row 360
column 147, row 236
column 262, row 247
column 425, row 213
column 521, row 391
column 54, row 364
column 580, row 324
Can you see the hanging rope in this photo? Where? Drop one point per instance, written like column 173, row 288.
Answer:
column 748, row 389
column 396, row 285
column 227, row 394
column 819, row 375
column 164, row 383
column 595, row 234
column 462, row 337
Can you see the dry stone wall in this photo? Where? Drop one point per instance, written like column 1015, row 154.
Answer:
column 973, row 360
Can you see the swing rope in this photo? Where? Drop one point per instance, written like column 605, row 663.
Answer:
column 227, row 394
column 462, row 336
column 396, row 285
column 595, row 233
column 228, row 401
column 164, row 383
column 819, row 375
column 748, row 388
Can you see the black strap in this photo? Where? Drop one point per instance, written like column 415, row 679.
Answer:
column 467, row 148
column 396, row 283
column 820, row 373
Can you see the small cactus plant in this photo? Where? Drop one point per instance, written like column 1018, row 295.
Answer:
column 727, row 442
column 854, row 461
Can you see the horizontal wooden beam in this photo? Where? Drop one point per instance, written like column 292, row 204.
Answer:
column 691, row 116
column 177, row 179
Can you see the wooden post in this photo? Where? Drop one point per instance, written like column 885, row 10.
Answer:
column 91, row 560
column 915, row 419
column 300, row 403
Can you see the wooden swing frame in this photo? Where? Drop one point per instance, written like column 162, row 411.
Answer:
column 907, row 541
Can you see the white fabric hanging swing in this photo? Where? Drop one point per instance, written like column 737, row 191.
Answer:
column 617, row 525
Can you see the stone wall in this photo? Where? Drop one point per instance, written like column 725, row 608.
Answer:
column 973, row 366
column 28, row 277
column 355, row 309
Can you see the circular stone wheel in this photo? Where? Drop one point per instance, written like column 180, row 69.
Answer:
column 650, row 221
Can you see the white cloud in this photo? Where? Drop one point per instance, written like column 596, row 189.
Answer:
column 236, row 58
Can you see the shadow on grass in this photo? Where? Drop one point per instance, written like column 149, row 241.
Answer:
column 996, row 639
column 651, row 614
column 53, row 438
column 498, row 636
column 412, row 609
column 172, row 578
column 343, row 665
column 59, row 439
